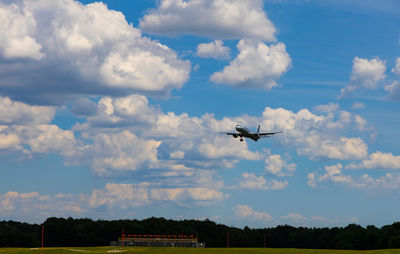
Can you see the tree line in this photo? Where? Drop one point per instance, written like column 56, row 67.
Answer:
column 87, row 232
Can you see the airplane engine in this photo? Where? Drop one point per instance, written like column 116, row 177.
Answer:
column 235, row 136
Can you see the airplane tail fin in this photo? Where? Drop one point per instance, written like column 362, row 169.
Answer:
column 258, row 129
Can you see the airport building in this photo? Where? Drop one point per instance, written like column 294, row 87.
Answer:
column 158, row 241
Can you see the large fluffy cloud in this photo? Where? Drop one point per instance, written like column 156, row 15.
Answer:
column 172, row 144
column 177, row 142
column 61, row 47
column 47, row 138
column 366, row 75
column 122, row 151
column 13, row 112
column 10, row 142
column 128, row 136
column 257, row 66
column 221, row 19
column 42, row 138
column 27, row 128
column 17, row 36
column 177, row 147
column 316, row 136
column 128, row 111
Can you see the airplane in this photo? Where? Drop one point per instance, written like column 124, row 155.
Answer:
column 244, row 132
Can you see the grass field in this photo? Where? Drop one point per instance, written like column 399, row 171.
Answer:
column 140, row 250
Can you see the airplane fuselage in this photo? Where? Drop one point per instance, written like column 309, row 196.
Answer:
column 245, row 132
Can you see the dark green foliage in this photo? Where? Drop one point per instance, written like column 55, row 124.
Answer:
column 86, row 232
column 19, row 234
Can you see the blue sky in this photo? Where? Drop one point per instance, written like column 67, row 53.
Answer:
column 117, row 109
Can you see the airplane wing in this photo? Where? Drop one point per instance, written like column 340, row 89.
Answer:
column 266, row 134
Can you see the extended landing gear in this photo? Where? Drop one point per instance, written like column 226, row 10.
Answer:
column 241, row 139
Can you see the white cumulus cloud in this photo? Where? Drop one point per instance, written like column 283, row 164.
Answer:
column 14, row 112
column 130, row 110
column 323, row 139
column 274, row 164
column 214, row 49
column 335, row 174
column 47, row 138
column 378, row 160
column 185, row 142
column 366, row 75
column 122, row 151
column 177, row 144
column 220, row 19
column 257, row 66
column 221, row 147
column 26, row 128
column 10, row 142
column 18, row 27
column 71, row 53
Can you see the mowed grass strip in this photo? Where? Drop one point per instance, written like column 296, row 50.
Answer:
column 144, row 250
